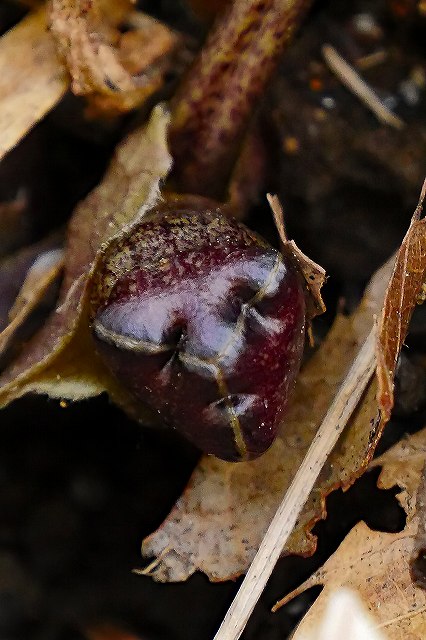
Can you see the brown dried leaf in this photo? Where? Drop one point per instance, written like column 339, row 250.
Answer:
column 60, row 359
column 405, row 287
column 32, row 80
column 377, row 564
column 220, row 519
column 117, row 71
column 312, row 273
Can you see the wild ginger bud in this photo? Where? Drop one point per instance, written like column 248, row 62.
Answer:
column 203, row 321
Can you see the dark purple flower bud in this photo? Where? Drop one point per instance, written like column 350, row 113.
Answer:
column 203, row 321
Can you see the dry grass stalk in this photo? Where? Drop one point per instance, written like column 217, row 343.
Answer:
column 286, row 516
column 353, row 81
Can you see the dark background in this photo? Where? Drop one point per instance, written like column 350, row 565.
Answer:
column 80, row 484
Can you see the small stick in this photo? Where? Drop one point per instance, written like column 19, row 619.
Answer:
column 353, row 81
column 371, row 59
column 286, row 516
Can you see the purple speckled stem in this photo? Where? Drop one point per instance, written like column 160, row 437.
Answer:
column 214, row 104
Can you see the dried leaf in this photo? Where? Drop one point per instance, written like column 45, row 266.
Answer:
column 345, row 617
column 220, row 519
column 60, row 359
column 32, row 80
column 377, row 564
column 312, row 273
column 418, row 572
column 406, row 285
column 14, row 269
column 119, row 71
column 45, row 270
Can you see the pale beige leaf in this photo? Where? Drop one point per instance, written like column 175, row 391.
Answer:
column 345, row 617
column 14, row 269
column 377, row 564
column 32, row 80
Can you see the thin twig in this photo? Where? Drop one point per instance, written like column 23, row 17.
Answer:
column 371, row 60
column 353, row 81
column 286, row 516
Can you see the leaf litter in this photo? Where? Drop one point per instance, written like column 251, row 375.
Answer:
column 33, row 79
column 375, row 564
column 312, row 274
column 218, row 523
column 56, row 362
column 345, row 617
column 42, row 274
column 378, row 565
column 116, row 71
column 405, row 290
column 60, row 359
column 15, row 268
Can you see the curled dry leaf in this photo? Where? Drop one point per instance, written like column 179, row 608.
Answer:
column 220, row 519
column 312, row 273
column 118, row 71
column 404, row 291
column 42, row 274
column 14, row 270
column 377, row 564
column 418, row 570
column 60, row 360
column 32, row 80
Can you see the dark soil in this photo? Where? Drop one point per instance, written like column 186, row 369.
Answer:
column 81, row 484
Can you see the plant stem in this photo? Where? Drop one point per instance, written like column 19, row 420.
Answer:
column 214, row 104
